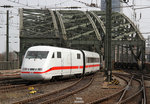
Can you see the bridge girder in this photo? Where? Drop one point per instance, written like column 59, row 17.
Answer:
column 81, row 30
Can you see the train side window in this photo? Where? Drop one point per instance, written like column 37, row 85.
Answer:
column 92, row 60
column 53, row 55
column 58, row 54
column 78, row 56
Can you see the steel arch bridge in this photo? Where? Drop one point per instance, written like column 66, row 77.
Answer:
column 81, row 30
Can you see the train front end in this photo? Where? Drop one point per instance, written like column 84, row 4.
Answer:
column 34, row 63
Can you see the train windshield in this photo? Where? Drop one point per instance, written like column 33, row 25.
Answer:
column 37, row 54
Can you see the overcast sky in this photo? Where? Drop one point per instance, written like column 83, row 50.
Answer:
column 141, row 16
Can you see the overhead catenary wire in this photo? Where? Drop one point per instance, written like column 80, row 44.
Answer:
column 22, row 3
column 147, row 7
column 146, row 33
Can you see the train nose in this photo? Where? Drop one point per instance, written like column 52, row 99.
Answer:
column 32, row 76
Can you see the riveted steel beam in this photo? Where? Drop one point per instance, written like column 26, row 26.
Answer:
column 121, row 25
column 79, row 35
column 94, row 26
column 45, row 41
column 62, row 25
column 99, row 21
column 54, row 23
column 136, row 29
column 74, row 20
column 36, row 26
column 78, row 42
column 127, row 42
column 74, row 27
column 125, row 34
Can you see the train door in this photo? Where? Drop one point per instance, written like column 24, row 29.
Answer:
column 84, row 60
column 77, row 62
column 66, row 62
column 56, row 60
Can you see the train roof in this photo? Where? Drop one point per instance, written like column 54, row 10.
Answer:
column 43, row 48
column 47, row 48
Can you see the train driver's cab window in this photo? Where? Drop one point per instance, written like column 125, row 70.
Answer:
column 58, row 54
column 78, row 56
column 37, row 54
column 53, row 55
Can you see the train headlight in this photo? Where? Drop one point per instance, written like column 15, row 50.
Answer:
column 39, row 69
column 25, row 68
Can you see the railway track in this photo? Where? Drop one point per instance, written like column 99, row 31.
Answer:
column 9, row 77
column 11, row 88
column 147, row 90
column 7, row 80
column 128, row 90
column 135, row 90
column 127, row 94
column 12, row 82
column 59, row 94
column 9, row 74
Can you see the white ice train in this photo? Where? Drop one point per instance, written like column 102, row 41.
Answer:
column 47, row 62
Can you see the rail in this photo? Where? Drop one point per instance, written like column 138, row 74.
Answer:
column 98, row 101
column 123, row 91
column 4, row 65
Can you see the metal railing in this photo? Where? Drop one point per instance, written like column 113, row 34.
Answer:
column 7, row 65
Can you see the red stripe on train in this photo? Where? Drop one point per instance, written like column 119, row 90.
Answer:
column 62, row 68
column 25, row 72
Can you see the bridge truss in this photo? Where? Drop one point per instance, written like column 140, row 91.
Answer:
column 82, row 30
